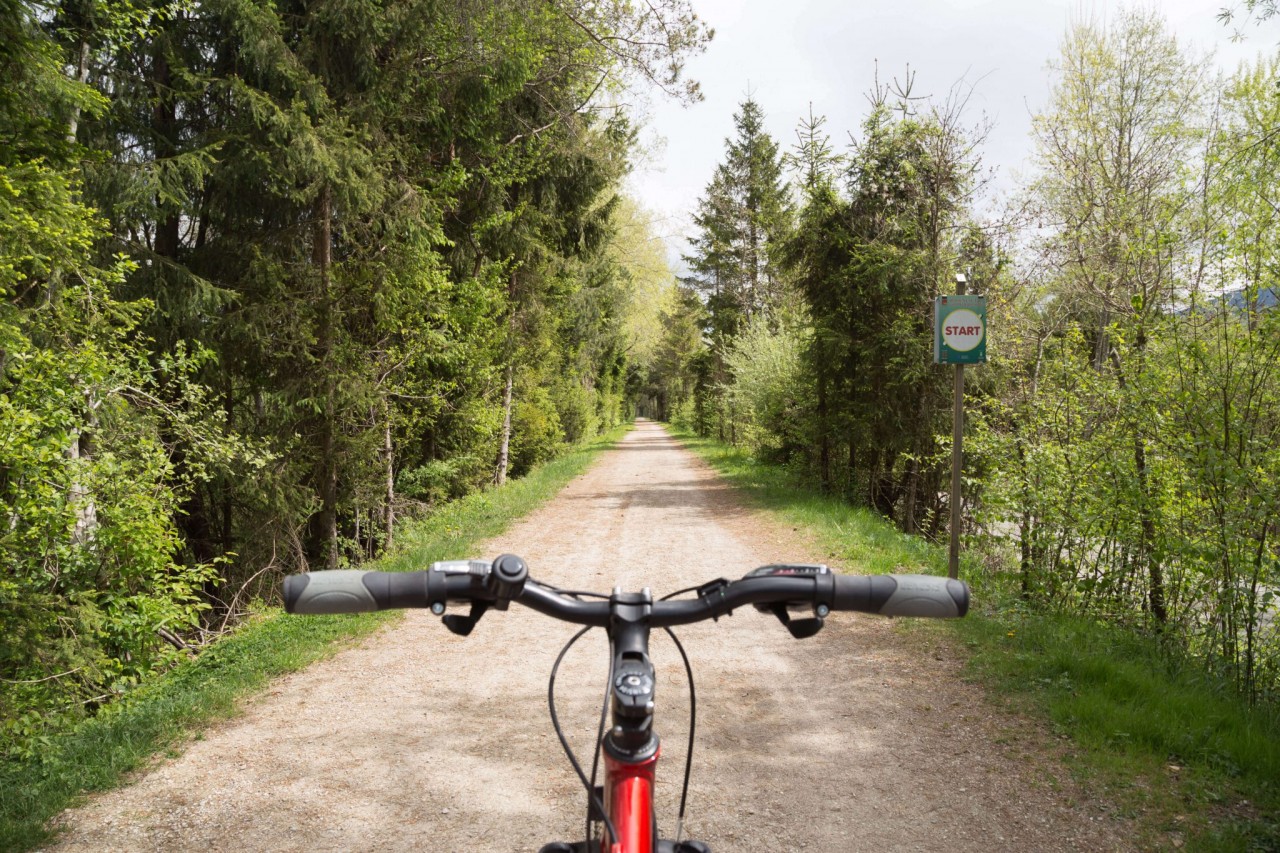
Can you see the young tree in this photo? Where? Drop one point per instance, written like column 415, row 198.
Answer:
column 742, row 219
column 1114, row 146
column 815, row 256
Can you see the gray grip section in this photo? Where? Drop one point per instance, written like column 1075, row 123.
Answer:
column 336, row 591
column 927, row 595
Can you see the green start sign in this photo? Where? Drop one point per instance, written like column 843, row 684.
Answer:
column 960, row 330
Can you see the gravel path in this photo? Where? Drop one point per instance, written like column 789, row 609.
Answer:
column 857, row 739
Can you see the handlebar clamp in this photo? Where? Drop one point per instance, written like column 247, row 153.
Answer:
column 824, row 595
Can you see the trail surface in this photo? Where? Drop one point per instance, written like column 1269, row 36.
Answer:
column 859, row 739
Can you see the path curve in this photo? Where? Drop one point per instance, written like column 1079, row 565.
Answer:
column 858, row 739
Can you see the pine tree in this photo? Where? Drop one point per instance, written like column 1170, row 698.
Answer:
column 744, row 215
column 742, row 220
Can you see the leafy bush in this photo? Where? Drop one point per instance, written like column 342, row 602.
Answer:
column 438, row 480
column 768, row 395
column 536, row 435
column 575, row 408
column 91, row 597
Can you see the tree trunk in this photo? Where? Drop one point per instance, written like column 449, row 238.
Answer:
column 1102, row 347
column 80, row 447
column 164, row 117
column 908, row 523
column 1024, row 524
column 851, row 471
column 824, row 436
column 1027, row 526
column 504, row 447
column 389, row 455
column 909, row 511
column 328, row 467
column 1146, row 518
column 82, row 76
column 1155, row 571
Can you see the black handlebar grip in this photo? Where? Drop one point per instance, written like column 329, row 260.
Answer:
column 903, row 595
column 353, row 591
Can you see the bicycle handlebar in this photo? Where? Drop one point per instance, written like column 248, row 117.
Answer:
column 354, row 591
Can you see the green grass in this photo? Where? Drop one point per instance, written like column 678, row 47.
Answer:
column 160, row 715
column 851, row 536
column 1170, row 745
column 1179, row 754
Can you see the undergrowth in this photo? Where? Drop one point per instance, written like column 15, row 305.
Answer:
column 1178, row 753
column 162, row 713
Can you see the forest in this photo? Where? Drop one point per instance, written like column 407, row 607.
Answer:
column 276, row 276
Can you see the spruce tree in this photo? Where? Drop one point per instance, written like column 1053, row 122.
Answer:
column 742, row 221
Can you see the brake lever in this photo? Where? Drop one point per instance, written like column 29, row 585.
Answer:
column 801, row 629
column 463, row 625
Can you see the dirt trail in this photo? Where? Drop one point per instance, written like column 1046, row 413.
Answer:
column 857, row 739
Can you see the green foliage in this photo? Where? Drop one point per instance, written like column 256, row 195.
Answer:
column 1167, row 742
column 743, row 217
column 770, row 387
column 679, row 369
column 867, row 259
column 437, row 481
column 86, row 479
column 1131, row 455
column 263, row 266
column 849, row 390
column 36, row 786
column 575, row 409
column 536, row 435
column 741, row 220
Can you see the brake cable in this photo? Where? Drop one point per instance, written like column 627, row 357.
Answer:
column 592, row 799
column 590, row 784
column 693, row 717
column 604, row 714
column 693, row 722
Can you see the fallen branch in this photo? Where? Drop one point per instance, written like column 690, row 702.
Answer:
column 172, row 639
column 46, row 678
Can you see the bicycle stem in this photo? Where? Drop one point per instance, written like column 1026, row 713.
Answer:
column 631, row 747
column 631, row 737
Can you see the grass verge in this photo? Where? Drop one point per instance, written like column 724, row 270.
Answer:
column 1173, row 748
column 1190, row 764
column 850, row 535
column 161, row 714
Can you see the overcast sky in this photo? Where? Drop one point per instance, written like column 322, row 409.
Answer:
column 789, row 53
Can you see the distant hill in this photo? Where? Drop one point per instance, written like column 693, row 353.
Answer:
column 1266, row 298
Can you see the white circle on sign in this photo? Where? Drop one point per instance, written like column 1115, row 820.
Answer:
column 962, row 330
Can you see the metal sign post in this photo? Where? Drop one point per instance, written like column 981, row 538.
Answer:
column 959, row 338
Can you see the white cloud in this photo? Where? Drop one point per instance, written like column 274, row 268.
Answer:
column 826, row 52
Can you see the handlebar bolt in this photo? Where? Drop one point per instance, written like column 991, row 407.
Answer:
column 822, row 611
column 437, row 608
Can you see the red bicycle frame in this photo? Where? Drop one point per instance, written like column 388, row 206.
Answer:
column 628, row 791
